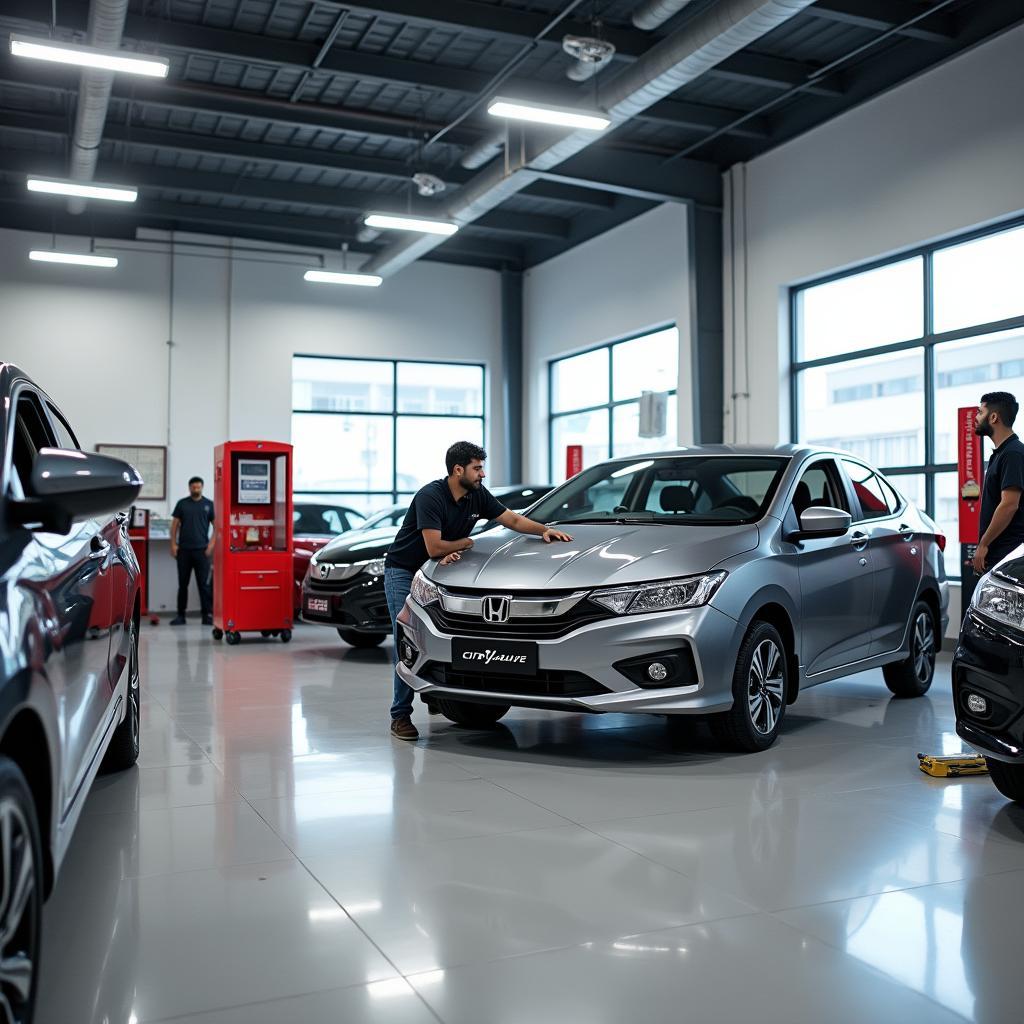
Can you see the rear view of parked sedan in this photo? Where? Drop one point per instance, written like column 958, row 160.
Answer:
column 715, row 581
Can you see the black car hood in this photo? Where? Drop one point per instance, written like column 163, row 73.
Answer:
column 1012, row 566
column 358, row 546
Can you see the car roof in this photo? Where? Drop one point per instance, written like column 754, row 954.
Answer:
column 787, row 451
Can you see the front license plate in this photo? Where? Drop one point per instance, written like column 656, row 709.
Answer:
column 494, row 656
column 318, row 605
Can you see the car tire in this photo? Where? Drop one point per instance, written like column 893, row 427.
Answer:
column 913, row 676
column 759, row 687
column 123, row 751
column 473, row 716
column 21, row 908
column 354, row 639
column 1008, row 778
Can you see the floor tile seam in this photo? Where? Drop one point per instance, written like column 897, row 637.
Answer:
column 366, row 935
column 544, row 950
column 504, row 789
column 281, row 1000
column 877, row 971
column 179, row 807
column 220, row 868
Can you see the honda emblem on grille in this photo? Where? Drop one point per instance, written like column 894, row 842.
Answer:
column 325, row 571
column 496, row 609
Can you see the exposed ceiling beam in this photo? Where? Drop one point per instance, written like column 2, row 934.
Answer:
column 883, row 15
column 226, row 44
column 349, row 201
column 31, row 215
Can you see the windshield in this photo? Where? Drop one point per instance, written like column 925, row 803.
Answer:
column 386, row 517
column 689, row 489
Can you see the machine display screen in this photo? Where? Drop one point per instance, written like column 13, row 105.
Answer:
column 254, row 481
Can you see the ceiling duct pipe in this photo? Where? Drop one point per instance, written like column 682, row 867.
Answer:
column 106, row 26
column 713, row 35
column 484, row 150
column 652, row 13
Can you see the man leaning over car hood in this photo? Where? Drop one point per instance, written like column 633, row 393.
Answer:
column 437, row 525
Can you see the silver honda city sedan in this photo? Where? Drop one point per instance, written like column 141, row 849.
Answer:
column 715, row 581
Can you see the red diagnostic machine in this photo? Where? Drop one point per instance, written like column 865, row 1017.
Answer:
column 252, row 575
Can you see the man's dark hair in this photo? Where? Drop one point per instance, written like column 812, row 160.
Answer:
column 196, row 480
column 1003, row 403
column 462, row 453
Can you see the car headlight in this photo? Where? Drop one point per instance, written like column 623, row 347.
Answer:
column 423, row 592
column 999, row 600
column 373, row 567
column 660, row 597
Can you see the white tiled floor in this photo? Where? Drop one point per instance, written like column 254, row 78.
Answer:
column 277, row 857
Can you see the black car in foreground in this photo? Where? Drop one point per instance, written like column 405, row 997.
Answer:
column 988, row 674
column 344, row 586
column 69, row 628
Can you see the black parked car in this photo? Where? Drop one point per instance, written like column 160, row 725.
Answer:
column 344, row 586
column 988, row 674
column 69, row 626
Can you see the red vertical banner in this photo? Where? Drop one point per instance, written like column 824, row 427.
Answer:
column 972, row 474
column 573, row 459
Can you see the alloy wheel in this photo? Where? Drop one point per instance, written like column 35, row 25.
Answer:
column 924, row 647
column 765, row 687
column 18, row 913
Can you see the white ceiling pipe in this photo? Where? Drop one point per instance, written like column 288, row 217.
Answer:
column 484, row 150
column 106, row 26
column 711, row 37
column 652, row 13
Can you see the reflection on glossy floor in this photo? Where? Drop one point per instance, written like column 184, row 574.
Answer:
column 277, row 857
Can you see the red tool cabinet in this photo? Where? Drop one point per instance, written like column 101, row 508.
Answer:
column 252, row 575
column 138, row 536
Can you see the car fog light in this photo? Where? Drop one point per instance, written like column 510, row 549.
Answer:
column 657, row 672
column 977, row 704
column 407, row 653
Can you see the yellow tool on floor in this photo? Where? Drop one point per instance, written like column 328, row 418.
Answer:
column 952, row 765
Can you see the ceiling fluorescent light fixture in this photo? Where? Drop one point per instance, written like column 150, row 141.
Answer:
column 78, row 259
column 85, row 190
column 331, row 277
column 395, row 222
column 40, row 48
column 541, row 113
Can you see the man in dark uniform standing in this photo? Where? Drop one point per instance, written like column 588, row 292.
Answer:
column 191, row 545
column 438, row 525
column 1002, row 513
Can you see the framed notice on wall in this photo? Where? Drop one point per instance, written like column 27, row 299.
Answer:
column 151, row 462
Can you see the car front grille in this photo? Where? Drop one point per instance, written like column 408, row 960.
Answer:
column 541, row 627
column 546, row 683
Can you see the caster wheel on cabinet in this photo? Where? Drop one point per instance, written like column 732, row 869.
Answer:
column 286, row 636
column 233, row 638
column 217, row 634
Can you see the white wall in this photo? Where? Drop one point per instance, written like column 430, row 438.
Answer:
column 623, row 282
column 934, row 157
column 97, row 340
column 937, row 156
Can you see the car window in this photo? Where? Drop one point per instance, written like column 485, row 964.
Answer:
column 819, row 488
column 31, row 432
column 876, row 500
column 65, row 435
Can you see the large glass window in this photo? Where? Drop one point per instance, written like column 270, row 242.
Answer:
column 368, row 432
column 596, row 398
column 883, row 358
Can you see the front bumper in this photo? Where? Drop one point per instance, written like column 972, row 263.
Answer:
column 578, row 672
column 989, row 662
column 359, row 604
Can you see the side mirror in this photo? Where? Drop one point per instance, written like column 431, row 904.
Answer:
column 67, row 486
column 824, row 522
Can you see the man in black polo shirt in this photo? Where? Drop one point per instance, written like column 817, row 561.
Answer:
column 1002, row 514
column 438, row 525
column 192, row 545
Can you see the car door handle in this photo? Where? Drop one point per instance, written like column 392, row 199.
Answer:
column 98, row 548
column 906, row 532
column 859, row 541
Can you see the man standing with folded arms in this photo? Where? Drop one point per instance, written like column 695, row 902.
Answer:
column 438, row 525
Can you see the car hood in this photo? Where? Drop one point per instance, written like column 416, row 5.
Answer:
column 599, row 555
column 358, row 546
column 1012, row 566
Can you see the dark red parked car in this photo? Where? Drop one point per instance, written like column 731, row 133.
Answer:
column 314, row 526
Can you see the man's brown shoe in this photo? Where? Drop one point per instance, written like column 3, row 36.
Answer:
column 403, row 729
